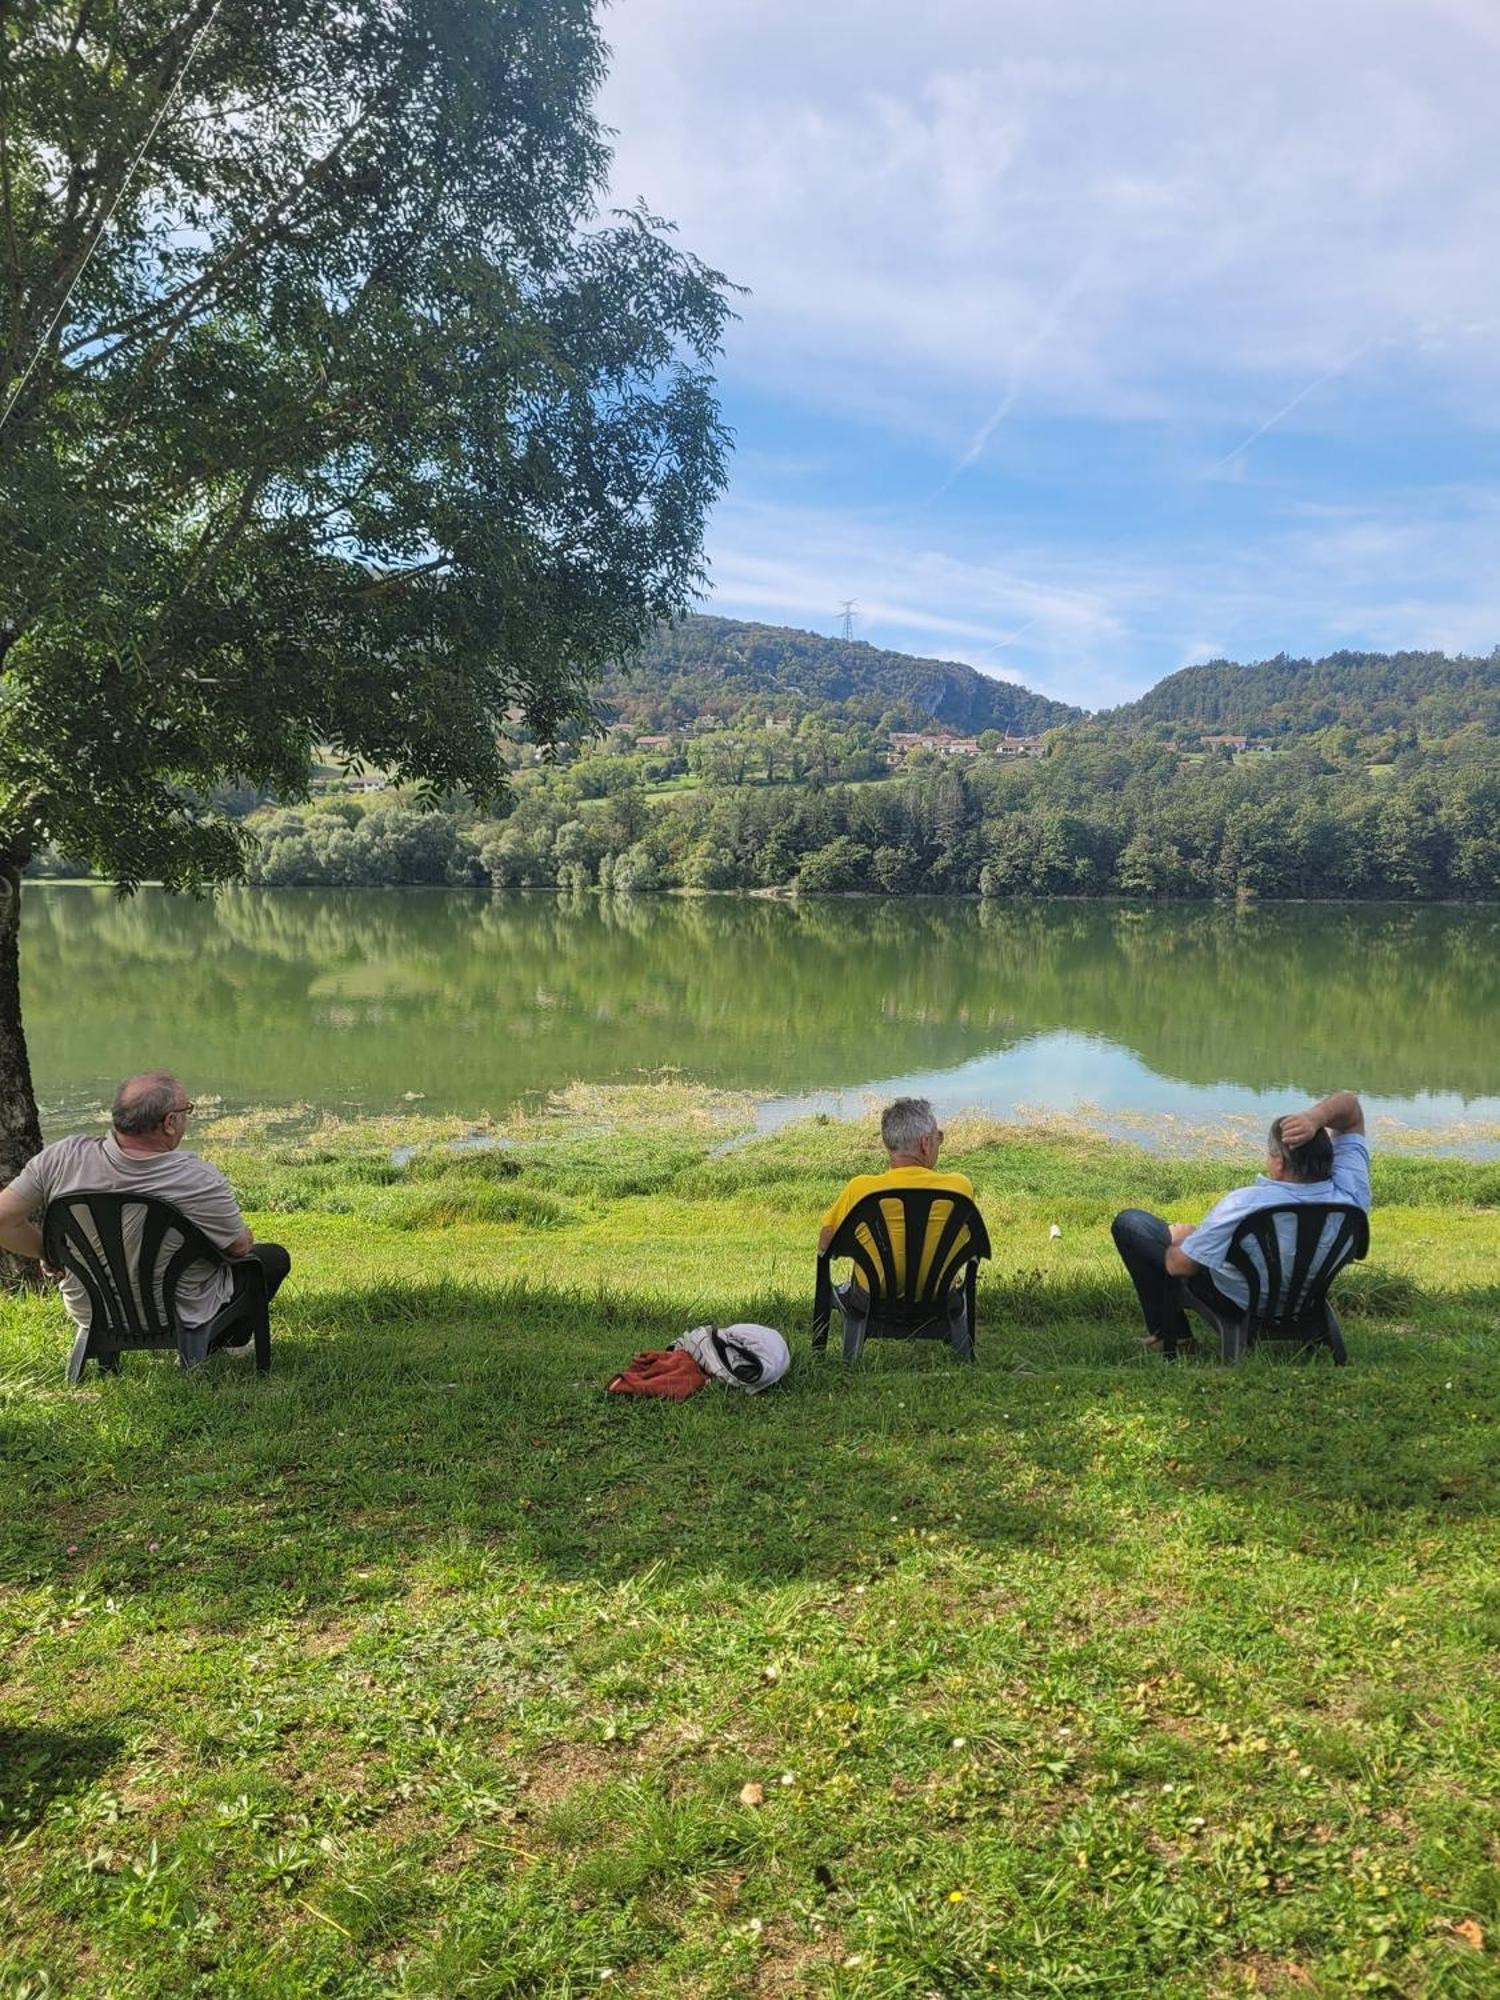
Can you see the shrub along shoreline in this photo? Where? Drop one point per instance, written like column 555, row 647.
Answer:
column 420, row 1667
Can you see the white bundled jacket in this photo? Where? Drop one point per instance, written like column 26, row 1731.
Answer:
column 744, row 1356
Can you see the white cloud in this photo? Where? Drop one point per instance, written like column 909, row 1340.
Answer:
column 1189, row 235
column 1260, row 189
column 1094, row 625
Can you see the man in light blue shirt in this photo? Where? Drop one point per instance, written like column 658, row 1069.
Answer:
column 1317, row 1155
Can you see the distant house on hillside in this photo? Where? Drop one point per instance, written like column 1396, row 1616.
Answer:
column 653, row 743
column 1235, row 743
column 906, row 743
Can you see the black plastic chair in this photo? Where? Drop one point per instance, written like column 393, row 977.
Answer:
column 903, row 1303
column 1289, row 1301
column 84, row 1234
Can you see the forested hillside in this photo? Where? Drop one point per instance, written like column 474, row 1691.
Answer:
column 723, row 667
column 1416, row 695
column 756, row 758
column 1135, row 818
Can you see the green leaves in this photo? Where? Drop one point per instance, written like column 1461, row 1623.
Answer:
column 351, row 431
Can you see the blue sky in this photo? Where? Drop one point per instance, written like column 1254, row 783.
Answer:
column 1088, row 338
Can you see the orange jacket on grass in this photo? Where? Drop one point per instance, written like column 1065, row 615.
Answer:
column 667, row 1372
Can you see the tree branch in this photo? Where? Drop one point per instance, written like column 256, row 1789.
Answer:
column 179, row 305
column 79, row 25
column 83, row 218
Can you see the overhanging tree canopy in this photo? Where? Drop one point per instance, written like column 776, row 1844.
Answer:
column 331, row 416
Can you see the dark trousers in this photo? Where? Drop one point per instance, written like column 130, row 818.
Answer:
column 275, row 1262
column 1143, row 1240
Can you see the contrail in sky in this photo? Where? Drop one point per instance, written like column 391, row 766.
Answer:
column 1328, row 375
column 1046, row 327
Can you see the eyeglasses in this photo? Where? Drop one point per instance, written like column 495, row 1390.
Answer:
column 183, row 1110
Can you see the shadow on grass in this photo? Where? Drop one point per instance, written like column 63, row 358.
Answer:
column 408, row 1427
column 40, row 1765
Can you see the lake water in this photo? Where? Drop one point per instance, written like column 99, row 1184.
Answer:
column 1142, row 1020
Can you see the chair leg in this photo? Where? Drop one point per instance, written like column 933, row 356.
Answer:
column 1215, row 1322
column 1336, row 1338
column 78, row 1357
column 963, row 1336
column 109, row 1364
column 854, row 1336
column 961, row 1332
column 822, row 1306
column 1234, row 1340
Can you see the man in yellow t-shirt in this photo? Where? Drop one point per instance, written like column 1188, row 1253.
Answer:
column 912, row 1138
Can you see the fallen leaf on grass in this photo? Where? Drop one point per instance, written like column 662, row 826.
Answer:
column 1471, row 1933
column 752, row 1795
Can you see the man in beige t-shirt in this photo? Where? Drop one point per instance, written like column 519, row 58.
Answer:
column 141, row 1154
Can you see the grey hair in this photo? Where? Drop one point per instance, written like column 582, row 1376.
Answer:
column 1311, row 1161
column 905, row 1123
column 142, row 1103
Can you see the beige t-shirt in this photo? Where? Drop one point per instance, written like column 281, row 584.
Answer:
column 191, row 1184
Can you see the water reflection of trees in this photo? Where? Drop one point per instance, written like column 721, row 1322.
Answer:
column 473, row 999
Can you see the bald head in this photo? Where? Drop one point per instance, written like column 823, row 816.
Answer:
column 144, row 1104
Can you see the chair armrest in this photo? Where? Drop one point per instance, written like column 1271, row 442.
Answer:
column 254, row 1270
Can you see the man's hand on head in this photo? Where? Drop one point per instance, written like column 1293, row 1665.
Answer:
column 1297, row 1127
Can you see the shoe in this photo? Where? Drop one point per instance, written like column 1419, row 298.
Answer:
column 1152, row 1343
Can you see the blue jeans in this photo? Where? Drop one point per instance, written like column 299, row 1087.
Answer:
column 1143, row 1240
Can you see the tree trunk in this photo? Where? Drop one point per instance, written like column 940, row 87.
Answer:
column 20, row 1128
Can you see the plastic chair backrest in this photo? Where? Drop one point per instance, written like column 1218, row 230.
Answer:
column 930, row 1266
column 1284, row 1295
column 132, row 1295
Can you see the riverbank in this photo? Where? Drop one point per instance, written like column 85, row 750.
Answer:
column 421, row 1668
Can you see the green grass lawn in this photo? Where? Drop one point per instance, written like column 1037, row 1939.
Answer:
column 422, row 1668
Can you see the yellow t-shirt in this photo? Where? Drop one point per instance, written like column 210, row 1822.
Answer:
column 895, row 1215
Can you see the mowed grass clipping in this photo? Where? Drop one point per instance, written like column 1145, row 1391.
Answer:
column 423, row 1668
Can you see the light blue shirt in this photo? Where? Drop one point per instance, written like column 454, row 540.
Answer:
column 1210, row 1241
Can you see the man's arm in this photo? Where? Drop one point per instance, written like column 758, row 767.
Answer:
column 210, row 1201
column 834, row 1215
column 17, row 1230
column 1179, row 1265
column 1340, row 1113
